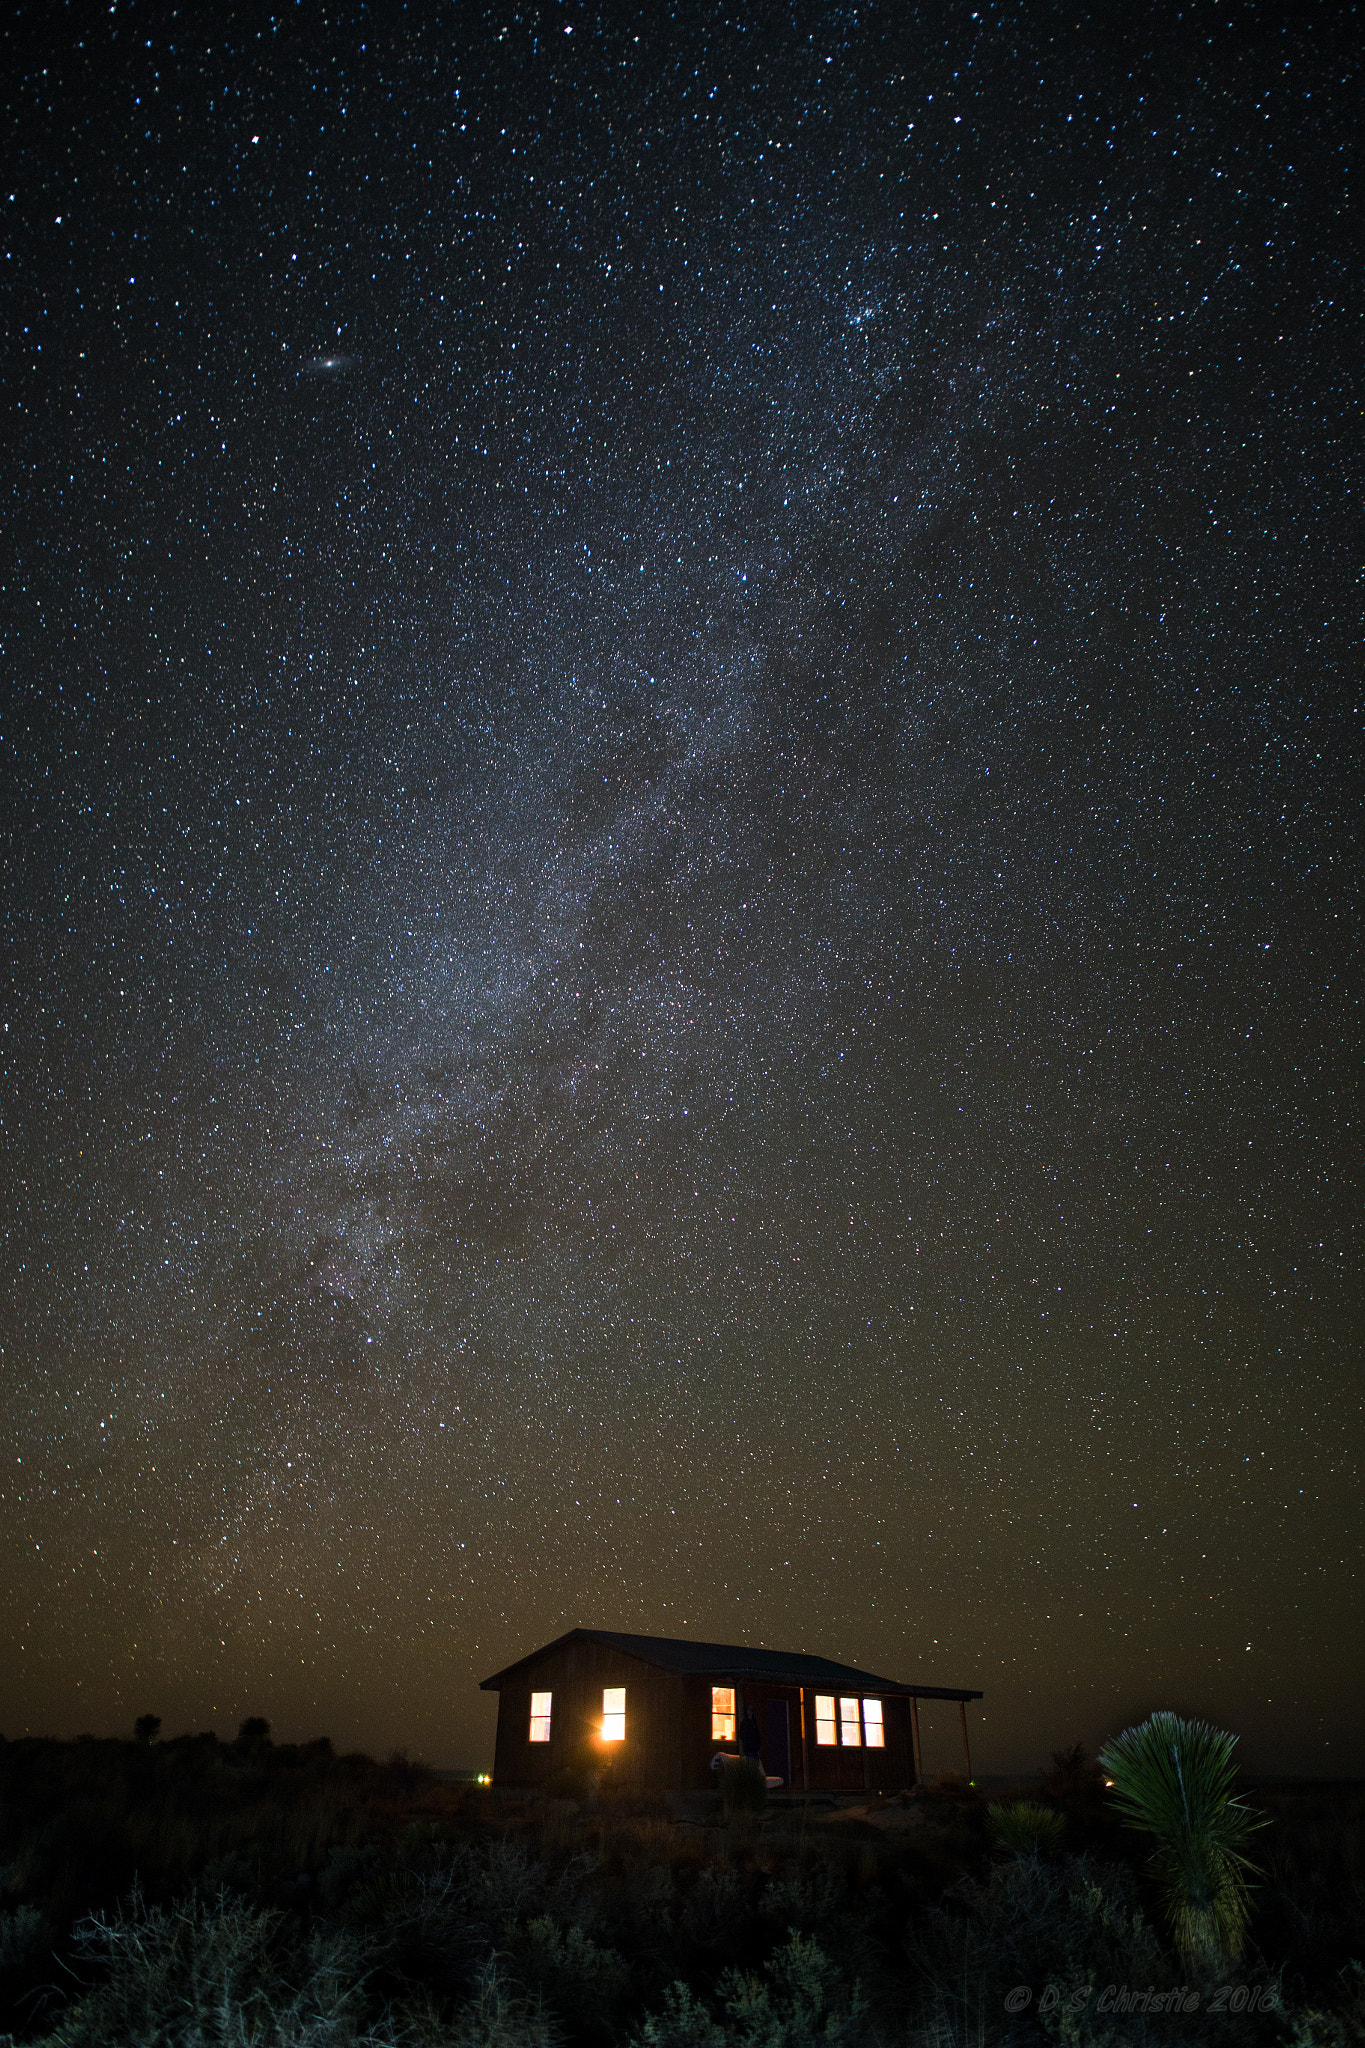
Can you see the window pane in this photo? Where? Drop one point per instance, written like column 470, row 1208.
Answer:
column 874, row 1731
column 722, row 1713
column 540, row 1716
column 614, row 1713
column 825, row 1732
column 850, row 1728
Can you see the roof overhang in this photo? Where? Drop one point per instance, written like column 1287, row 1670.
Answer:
column 735, row 1663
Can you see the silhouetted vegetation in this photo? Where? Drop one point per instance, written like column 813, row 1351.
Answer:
column 181, row 1893
column 743, row 1787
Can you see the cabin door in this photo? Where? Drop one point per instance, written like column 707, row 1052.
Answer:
column 779, row 1742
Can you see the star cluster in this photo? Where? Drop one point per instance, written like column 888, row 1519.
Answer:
column 680, row 736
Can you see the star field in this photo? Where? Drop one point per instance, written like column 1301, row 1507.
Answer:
column 680, row 740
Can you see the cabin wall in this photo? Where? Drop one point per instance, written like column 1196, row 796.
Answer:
column 812, row 1767
column 668, row 1741
column 576, row 1674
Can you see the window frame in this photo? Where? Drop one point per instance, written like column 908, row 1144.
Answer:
column 613, row 1716
column 874, row 1724
column 542, row 1717
column 724, row 1719
column 826, row 1719
column 850, row 1719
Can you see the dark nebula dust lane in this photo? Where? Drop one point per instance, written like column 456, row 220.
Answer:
column 680, row 735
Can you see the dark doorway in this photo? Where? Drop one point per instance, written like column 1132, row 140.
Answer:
column 779, row 1742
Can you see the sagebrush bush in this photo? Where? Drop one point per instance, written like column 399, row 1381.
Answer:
column 583, row 1983
column 500, row 2015
column 1068, row 1922
column 213, row 1974
column 800, row 2000
column 25, row 1938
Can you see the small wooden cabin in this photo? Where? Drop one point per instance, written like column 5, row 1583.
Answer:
column 659, row 1710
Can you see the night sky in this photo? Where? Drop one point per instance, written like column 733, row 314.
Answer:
column 679, row 758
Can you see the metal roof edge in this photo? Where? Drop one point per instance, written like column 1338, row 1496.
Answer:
column 735, row 1665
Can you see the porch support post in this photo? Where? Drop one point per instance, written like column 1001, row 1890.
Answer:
column 966, row 1747
column 914, row 1731
column 805, row 1741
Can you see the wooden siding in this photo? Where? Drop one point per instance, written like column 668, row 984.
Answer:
column 576, row 1674
column 848, row 1769
column 668, row 1741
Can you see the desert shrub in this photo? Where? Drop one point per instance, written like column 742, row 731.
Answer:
column 1174, row 1779
column 1340, row 2024
column 800, row 2000
column 684, row 2022
column 213, row 1974
column 1024, row 1828
column 823, row 1900
column 584, row 1985
column 743, row 1787
column 715, row 1915
column 501, row 2015
column 805, row 1900
column 418, row 1931
column 1069, row 1922
column 25, row 1938
column 26, row 1963
column 1311, row 1908
column 499, row 1884
column 347, row 1868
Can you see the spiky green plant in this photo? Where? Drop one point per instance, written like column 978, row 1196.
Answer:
column 1024, row 1828
column 1173, row 1779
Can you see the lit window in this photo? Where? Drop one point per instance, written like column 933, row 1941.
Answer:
column 540, row 1716
column 850, row 1728
column 722, row 1713
column 614, row 1713
column 826, row 1733
column 874, row 1733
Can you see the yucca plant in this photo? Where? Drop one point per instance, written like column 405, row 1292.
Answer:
column 1024, row 1828
column 1173, row 1779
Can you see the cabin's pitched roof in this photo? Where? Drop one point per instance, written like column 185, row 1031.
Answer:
column 735, row 1660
